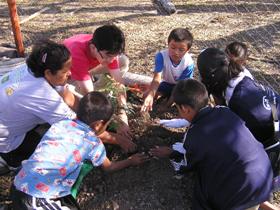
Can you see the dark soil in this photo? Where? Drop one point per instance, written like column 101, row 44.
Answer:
column 149, row 186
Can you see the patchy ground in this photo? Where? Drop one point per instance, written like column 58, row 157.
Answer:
column 212, row 22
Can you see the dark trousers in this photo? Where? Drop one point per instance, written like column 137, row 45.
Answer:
column 24, row 201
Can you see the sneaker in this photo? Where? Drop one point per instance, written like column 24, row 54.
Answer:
column 178, row 176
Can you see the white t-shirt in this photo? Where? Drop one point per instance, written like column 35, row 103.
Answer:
column 26, row 101
column 172, row 73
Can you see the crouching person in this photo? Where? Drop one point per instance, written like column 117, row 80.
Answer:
column 46, row 178
column 233, row 169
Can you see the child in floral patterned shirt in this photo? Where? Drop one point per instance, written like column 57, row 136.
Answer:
column 46, row 178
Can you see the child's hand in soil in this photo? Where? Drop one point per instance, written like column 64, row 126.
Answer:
column 138, row 158
column 148, row 103
column 161, row 152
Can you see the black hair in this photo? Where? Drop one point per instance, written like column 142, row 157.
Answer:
column 109, row 38
column 93, row 107
column 237, row 51
column 181, row 34
column 45, row 55
column 190, row 92
column 238, row 54
column 213, row 67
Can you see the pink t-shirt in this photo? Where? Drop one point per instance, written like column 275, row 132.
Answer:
column 82, row 61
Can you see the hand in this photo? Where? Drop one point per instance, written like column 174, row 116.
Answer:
column 73, row 90
column 138, row 158
column 148, row 103
column 161, row 152
column 126, row 143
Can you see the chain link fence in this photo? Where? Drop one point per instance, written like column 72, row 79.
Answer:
column 213, row 23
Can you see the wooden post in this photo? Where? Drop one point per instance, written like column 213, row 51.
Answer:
column 16, row 27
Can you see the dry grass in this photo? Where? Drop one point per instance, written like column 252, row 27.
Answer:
column 212, row 22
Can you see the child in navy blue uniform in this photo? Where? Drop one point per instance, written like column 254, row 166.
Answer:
column 171, row 65
column 233, row 170
column 225, row 79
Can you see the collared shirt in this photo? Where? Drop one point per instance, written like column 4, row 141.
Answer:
column 233, row 169
column 250, row 101
column 171, row 73
column 56, row 163
column 25, row 102
column 234, row 82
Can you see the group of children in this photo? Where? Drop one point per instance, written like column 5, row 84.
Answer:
column 46, row 178
column 233, row 170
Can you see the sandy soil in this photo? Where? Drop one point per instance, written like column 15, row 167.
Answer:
column 213, row 23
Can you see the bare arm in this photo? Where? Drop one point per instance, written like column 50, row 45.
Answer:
column 69, row 98
column 84, row 87
column 113, row 138
column 124, row 129
column 116, row 75
column 161, row 151
column 133, row 160
column 108, row 137
column 149, row 99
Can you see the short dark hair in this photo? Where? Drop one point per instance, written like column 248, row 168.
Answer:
column 180, row 35
column 45, row 55
column 190, row 92
column 213, row 64
column 109, row 38
column 94, row 106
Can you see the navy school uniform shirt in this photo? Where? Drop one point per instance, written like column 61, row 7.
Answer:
column 250, row 101
column 233, row 170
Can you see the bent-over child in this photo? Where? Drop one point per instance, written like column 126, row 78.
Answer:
column 171, row 65
column 102, row 53
column 46, row 178
column 256, row 104
column 233, row 170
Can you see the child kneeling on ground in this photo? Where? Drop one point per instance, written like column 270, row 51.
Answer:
column 233, row 169
column 47, row 177
column 171, row 65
